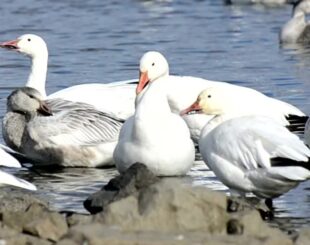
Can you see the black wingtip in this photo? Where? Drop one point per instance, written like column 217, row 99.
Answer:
column 285, row 162
column 297, row 124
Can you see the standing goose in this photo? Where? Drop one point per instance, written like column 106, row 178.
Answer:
column 7, row 179
column 250, row 153
column 154, row 135
column 297, row 29
column 57, row 131
column 116, row 99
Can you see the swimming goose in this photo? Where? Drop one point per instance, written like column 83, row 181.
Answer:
column 7, row 179
column 297, row 29
column 154, row 135
column 251, row 153
column 116, row 98
column 183, row 90
column 57, row 131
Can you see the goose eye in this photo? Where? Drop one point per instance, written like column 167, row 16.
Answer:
column 153, row 64
column 209, row 96
column 31, row 96
column 29, row 39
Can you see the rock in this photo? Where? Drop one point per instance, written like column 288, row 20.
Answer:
column 38, row 221
column 77, row 219
column 303, row 237
column 17, row 200
column 134, row 179
column 255, row 227
column 169, row 206
column 22, row 239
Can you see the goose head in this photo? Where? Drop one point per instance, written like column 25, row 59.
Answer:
column 27, row 101
column 153, row 65
column 215, row 101
column 29, row 44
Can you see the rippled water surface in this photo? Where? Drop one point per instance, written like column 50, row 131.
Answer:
column 102, row 41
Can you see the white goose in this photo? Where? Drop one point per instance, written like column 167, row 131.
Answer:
column 250, row 153
column 116, row 99
column 183, row 90
column 7, row 179
column 297, row 29
column 154, row 135
column 60, row 132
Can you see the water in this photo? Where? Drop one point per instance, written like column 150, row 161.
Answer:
column 102, row 41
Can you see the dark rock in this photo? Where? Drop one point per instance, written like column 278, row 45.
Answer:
column 134, row 179
column 234, row 227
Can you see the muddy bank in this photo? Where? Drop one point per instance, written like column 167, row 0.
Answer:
column 139, row 208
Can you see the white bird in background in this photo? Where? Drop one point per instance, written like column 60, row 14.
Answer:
column 297, row 29
column 249, row 153
column 7, row 179
column 154, row 135
column 116, row 99
column 59, row 132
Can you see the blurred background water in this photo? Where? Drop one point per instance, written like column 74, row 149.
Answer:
column 102, row 41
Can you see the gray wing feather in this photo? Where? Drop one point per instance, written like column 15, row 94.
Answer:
column 78, row 123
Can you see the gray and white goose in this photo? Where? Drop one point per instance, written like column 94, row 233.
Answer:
column 56, row 131
column 297, row 29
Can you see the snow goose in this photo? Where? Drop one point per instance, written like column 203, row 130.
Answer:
column 69, row 134
column 250, row 153
column 154, row 135
column 116, row 98
column 183, row 90
column 240, row 101
column 297, row 29
column 7, row 179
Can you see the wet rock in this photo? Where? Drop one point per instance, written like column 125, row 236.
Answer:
column 169, row 206
column 134, row 179
column 38, row 221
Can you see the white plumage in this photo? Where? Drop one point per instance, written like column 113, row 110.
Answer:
column 154, row 135
column 249, row 152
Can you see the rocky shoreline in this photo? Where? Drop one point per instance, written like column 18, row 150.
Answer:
column 139, row 208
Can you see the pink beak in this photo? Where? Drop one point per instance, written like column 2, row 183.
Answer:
column 143, row 81
column 10, row 44
column 193, row 108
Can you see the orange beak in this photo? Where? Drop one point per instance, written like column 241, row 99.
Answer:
column 9, row 44
column 193, row 108
column 143, row 81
